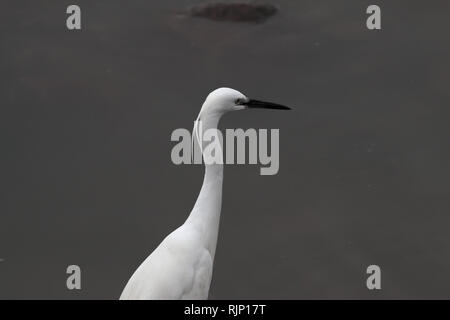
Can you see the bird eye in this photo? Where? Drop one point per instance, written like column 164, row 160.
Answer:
column 239, row 101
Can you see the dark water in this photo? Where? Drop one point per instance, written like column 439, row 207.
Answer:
column 86, row 118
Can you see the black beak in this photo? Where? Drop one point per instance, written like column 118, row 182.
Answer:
column 256, row 104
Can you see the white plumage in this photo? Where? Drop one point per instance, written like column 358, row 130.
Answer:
column 181, row 266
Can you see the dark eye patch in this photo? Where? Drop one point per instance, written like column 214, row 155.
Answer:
column 239, row 101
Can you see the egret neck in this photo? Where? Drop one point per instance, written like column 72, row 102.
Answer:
column 205, row 215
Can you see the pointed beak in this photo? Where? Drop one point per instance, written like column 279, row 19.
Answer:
column 257, row 104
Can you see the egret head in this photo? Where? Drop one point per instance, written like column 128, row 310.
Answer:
column 223, row 100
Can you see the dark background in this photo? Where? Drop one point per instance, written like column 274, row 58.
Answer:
column 85, row 123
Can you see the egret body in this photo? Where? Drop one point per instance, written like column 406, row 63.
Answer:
column 181, row 266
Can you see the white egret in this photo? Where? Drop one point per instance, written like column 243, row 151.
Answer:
column 181, row 266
